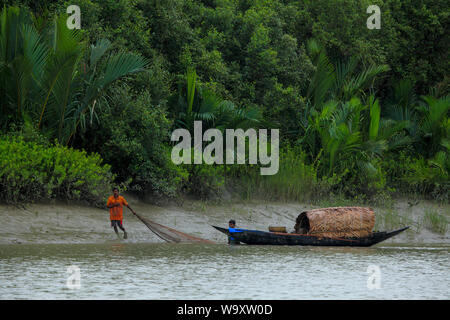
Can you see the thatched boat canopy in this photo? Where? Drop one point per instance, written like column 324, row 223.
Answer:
column 336, row 222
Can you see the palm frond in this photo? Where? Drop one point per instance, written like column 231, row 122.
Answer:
column 191, row 78
column 343, row 71
column 98, row 50
column 375, row 111
column 362, row 80
column 323, row 78
column 119, row 65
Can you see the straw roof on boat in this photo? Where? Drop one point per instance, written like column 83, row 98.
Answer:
column 336, row 222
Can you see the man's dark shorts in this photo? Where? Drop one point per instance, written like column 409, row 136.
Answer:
column 117, row 223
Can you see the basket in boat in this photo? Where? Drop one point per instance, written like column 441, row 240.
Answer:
column 277, row 229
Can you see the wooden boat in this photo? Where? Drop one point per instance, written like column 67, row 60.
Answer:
column 292, row 239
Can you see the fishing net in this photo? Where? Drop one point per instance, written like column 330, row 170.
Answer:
column 169, row 234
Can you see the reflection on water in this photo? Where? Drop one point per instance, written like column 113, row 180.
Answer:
column 185, row 271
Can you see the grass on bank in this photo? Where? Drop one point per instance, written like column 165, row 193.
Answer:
column 428, row 218
column 296, row 180
column 435, row 221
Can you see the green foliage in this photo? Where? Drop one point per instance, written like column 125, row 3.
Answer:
column 338, row 135
column 132, row 136
column 196, row 103
column 205, row 181
column 418, row 46
column 429, row 177
column 434, row 124
column 368, row 109
column 418, row 176
column 30, row 171
column 45, row 77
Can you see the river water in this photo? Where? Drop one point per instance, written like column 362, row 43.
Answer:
column 193, row 271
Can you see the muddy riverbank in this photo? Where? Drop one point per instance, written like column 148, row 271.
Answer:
column 74, row 223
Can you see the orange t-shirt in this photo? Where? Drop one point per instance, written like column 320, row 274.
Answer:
column 116, row 213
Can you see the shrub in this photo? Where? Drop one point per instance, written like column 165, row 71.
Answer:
column 31, row 171
column 428, row 178
column 205, row 181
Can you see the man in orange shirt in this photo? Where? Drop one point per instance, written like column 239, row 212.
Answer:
column 115, row 205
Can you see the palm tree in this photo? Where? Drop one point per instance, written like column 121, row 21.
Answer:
column 199, row 104
column 434, row 124
column 340, row 81
column 23, row 56
column 331, row 85
column 425, row 119
column 343, row 138
column 51, row 77
column 338, row 127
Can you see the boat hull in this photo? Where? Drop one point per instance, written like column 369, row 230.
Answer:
column 256, row 237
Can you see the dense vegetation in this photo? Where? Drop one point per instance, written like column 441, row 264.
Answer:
column 362, row 113
column 34, row 170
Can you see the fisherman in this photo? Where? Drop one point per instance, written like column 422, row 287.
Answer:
column 115, row 205
column 232, row 228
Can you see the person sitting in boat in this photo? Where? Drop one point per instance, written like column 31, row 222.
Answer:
column 232, row 228
column 115, row 205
